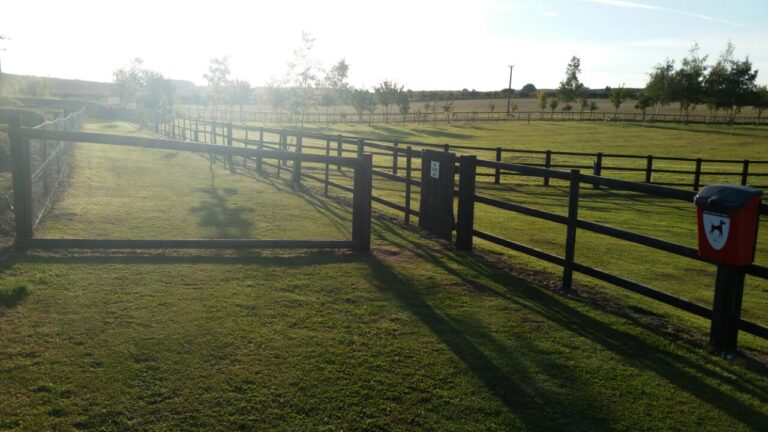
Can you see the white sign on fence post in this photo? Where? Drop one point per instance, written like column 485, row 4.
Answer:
column 434, row 169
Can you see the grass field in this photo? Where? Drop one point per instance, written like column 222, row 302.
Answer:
column 669, row 220
column 415, row 336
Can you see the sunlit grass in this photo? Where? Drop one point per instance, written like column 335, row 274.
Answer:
column 415, row 336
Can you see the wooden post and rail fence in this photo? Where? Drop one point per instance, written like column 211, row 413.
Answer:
column 20, row 138
column 269, row 117
column 675, row 171
column 275, row 154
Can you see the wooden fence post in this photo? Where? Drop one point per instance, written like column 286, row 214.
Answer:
column 245, row 142
column 284, row 146
column 497, row 172
column 197, row 131
column 547, row 165
column 361, row 203
column 339, row 150
column 726, row 309
column 261, row 147
column 745, row 172
column 395, row 158
column 360, row 147
column 230, row 163
column 597, row 169
column 446, row 148
column 570, row 237
column 466, row 212
column 408, row 165
column 327, row 166
column 649, row 169
column 280, row 147
column 296, row 175
column 697, row 175
column 21, row 168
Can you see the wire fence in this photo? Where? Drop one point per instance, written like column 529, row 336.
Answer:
column 49, row 163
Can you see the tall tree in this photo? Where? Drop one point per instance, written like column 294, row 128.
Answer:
column 730, row 83
column 403, row 104
column 361, row 101
column 571, row 88
column 592, row 108
column 156, row 93
column 760, row 101
column 336, row 85
column 302, row 74
column 659, row 87
column 448, row 110
column 128, row 81
column 643, row 103
column 542, row 98
column 240, row 93
column 386, row 94
column 217, row 78
column 687, row 87
column 277, row 95
column 583, row 104
column 617, row 97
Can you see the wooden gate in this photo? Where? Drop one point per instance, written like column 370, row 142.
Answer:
column 436, row 203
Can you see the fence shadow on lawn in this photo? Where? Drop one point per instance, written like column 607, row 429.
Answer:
column 675, row 368
column 509, row 380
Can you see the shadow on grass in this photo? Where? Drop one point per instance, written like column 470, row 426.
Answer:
column 216, row 213
column 677, row 369
column 12, row 297
column 510, row 382
column 731, row 132
column 390, row 133
column 443, row 134
column 288, row 259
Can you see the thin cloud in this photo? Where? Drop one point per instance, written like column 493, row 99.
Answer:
column 551, row 14
column 633, row 5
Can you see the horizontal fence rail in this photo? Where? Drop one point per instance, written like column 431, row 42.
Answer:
column 676, row 171
column 361, row 191
column 390, row 155
column 468, row 198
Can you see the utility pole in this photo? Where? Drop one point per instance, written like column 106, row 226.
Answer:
column 509, row 95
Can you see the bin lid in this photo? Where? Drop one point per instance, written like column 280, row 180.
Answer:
column 725, row 198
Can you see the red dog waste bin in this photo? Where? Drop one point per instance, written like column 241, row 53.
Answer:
column 728, row 217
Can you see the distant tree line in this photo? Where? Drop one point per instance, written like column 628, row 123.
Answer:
column 724, row 88
column 146, row 88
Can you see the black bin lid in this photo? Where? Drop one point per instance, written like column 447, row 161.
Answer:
column 725, row 198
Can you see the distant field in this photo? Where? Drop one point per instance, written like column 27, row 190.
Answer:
column 415, row 336
column 483, row 105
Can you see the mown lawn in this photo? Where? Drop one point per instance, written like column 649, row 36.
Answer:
column 662, row 218
column 414, row 336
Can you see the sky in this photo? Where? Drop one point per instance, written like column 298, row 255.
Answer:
column 423, row 44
